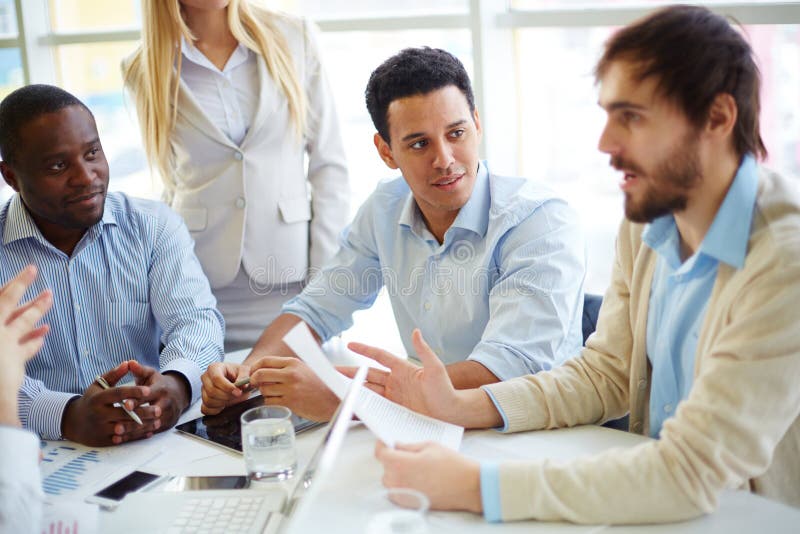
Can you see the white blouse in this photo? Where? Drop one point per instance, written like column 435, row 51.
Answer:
column 229, row 96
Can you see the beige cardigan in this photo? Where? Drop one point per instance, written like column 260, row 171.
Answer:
column 740, row 422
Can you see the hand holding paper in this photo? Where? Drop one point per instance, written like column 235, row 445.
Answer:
column 391, row 422
column 427, row 390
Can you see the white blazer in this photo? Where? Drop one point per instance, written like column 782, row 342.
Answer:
column 251, row 204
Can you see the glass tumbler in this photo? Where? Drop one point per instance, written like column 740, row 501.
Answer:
column 268, row 443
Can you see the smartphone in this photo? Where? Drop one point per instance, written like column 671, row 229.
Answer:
column 110, row 496
column 205, row 483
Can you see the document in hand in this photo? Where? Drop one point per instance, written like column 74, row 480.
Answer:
column 391, row 422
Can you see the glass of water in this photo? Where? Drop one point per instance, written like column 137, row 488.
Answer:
column 396, row 511
column 268, row 443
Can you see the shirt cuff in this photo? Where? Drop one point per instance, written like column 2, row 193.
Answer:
column 490, row 492
column 22, row 465
column 499, row 409
column 47, row 412
column 190, row 370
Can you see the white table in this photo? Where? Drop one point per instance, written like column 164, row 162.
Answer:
column 357, row 475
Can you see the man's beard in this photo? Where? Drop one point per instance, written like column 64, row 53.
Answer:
column 667, row 188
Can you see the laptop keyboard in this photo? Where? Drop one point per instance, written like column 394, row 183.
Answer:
column 217, row 514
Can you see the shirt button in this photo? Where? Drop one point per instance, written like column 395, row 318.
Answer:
column 77, row 307
column 240, row 202
column 667, row 408
column 238, row 156
column 642, row 384
column 427, row 306
column 86, row 352
column 637, row 426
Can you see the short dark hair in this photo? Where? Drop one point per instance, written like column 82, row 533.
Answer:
column 413, row 71
column 696, row 55
column 25, row 104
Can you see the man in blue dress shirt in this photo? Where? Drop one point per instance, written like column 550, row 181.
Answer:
column 490, row 268
column 124, row 278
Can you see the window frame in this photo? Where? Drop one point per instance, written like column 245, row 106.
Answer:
column 491, row 24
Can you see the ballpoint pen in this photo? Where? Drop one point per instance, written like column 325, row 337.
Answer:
column 103, row 384
column 242, row 382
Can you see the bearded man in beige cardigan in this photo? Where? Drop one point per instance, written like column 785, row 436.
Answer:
column 697, row 337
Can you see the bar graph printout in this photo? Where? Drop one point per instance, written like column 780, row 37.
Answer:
column 74, row 471
column 70, row 517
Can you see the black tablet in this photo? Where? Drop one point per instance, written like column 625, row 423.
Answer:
column 225, row 428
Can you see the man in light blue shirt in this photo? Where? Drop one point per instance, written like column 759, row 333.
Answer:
column 490, row 268
column 123, row 273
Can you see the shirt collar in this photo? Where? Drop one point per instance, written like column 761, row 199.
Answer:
column 190, row 52
column 727, row 238
column 473, row 216
column 729, row 233
column 20, row 225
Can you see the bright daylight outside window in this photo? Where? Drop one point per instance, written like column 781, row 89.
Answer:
column 11, row 73
column 558, row 120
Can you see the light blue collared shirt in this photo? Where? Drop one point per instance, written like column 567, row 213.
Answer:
column 680, row 290
column 504, row 289
column 131, row 284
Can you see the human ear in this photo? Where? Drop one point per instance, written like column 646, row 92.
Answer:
column 722, row 115
column 9, row 176
column 477, row 120
column 384, row 151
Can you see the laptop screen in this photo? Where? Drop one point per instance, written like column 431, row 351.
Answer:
column 324, row 456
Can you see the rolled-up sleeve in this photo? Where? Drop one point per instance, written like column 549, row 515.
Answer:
column 536, row 303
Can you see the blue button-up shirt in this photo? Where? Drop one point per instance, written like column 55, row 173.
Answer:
column 681, row 289
column 503, row 289
column 131, row 284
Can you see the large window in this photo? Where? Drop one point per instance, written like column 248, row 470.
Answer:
column 561, row 122
column 531, row 62
column 325, row 9
column 93, row 15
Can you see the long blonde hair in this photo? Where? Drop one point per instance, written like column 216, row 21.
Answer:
column 153, row 72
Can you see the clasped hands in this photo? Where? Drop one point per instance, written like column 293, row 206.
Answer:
column 158, row 399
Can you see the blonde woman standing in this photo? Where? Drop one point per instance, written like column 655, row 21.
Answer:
column 231, row 99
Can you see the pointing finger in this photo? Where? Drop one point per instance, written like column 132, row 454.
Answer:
column 384, row 358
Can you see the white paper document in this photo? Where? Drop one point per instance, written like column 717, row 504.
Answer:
column 391, row 422
column 73, row 471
